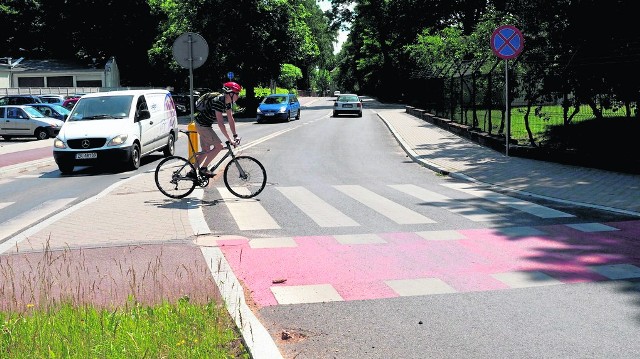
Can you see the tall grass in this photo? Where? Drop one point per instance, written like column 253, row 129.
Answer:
column 132, row 302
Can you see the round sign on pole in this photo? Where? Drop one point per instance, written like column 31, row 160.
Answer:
column 190, row 50
column 507, row 42
column 230, row 75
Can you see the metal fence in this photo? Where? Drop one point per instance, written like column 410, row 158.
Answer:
column 478, row 101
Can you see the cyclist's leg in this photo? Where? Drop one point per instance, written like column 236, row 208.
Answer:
column 210, row 144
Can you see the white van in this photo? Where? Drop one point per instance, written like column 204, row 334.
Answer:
column 26, row 121
column 117, row 127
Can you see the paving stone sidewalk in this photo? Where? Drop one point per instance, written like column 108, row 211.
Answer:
column 443, row 151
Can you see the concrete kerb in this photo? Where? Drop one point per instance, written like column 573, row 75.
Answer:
column 461, row 176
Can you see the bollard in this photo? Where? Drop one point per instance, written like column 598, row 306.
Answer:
column 193, row 139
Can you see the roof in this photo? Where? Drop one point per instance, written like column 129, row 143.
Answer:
column 125, row 92
column 45, row 65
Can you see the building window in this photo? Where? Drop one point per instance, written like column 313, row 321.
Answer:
column 89, row 83
column 30, row 81
column 59, row 81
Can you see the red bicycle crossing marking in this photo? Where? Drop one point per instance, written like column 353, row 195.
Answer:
column 362, row 271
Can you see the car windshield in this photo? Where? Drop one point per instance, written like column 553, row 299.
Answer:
column 59, row 109
column 348, row 99
column 275, row 99
column 32, row 112
column 103, row 107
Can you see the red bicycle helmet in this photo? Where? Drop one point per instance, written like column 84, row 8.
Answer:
column 231, row 87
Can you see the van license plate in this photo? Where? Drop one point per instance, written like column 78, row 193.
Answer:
column 86, row 156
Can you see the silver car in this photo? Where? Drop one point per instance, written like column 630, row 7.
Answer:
column 347, row 104
column 26, row 121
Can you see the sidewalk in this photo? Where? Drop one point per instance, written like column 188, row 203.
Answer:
column 445, row 152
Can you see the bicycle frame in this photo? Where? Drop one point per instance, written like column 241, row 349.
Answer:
column 195, row 154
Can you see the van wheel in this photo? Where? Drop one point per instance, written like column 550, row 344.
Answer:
column 41, row 134
column 65, row 168
column 134, row 160
column 170, row 148
column 6, row 138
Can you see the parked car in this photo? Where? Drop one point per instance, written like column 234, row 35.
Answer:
column 278, row 107
column 50, row 98
column 26, row 121
column 19, row 99
column 347, row 104
column 183, row 103
column 336, row 93
column 70, row 102
column 51, row 110
column 117, row 127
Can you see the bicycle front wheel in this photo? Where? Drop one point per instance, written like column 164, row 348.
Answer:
column 171, row 177
column 245, row 177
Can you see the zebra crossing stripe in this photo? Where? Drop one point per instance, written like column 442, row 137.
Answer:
column 5, row 204
column 521, row 205
column 318, row 210
column 384, row 206
column 471, row 213
column 248, row 213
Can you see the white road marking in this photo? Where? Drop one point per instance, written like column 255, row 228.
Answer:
column 33, row 216
column 318, row 210
column 451, row 205
column 521, row 205
column 248, row 213
column 384, row 206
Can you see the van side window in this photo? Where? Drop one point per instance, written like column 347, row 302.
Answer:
column 2, row 111
column 142, row 105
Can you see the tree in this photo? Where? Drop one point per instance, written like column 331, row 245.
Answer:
column 289, row 75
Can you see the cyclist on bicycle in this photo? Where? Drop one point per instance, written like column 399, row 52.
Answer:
column 213, row 110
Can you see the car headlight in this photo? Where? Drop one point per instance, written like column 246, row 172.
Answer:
column 282, row 110
column 259, row 110
column 118, row 140
column 58, row 143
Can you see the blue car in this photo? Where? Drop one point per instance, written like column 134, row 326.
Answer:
column 278, row 107
column 51, row 110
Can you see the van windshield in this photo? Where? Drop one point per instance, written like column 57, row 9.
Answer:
column 100, row 108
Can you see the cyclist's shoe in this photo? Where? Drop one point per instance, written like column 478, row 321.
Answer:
column 206, row 172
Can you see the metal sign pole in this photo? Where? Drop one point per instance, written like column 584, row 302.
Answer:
column 507, row 43
column 506, row 106
column 192, row 102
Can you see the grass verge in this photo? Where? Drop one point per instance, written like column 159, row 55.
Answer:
column 154, row 301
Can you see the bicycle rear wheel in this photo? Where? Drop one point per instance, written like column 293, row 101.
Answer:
column 245, row 177
column 171, row 177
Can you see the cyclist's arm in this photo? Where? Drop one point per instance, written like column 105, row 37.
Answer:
column 232, row 122
column 222, row 127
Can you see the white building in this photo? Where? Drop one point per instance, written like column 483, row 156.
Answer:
column 23, row 73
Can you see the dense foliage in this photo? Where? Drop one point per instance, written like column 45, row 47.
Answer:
column 252, row 38
column 586, row 47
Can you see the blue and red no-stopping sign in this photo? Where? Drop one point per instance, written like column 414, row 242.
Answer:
column 507, row 42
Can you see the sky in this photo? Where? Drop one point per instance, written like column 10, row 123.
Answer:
column 342, row 35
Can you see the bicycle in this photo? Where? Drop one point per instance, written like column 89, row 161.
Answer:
column 244, row 176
